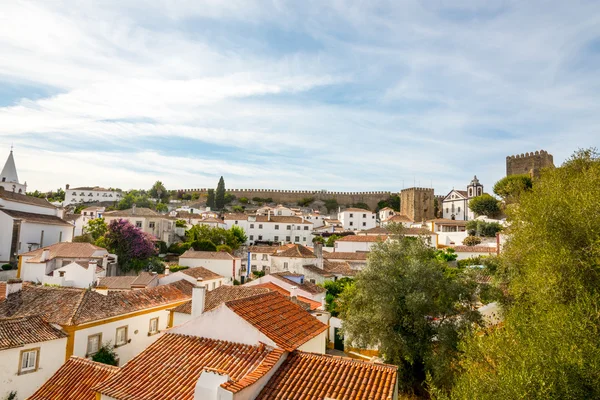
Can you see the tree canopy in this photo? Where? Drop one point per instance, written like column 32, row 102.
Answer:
column 548, row 346
column 133, row 247
column 233, row 237
column 485, row 205
column 210, row 199
column 96, row 228
column 404, row 303
column 220, row 195
column 511, row 187
column 159, row 192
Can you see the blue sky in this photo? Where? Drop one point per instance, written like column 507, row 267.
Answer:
column 337, row 95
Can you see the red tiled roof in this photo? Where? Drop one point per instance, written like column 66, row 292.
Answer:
column 19, row 331
column 201, row 272
column 354, row 209
column 399, row 218
column 36, row 218
column 474, row 249
column 220, row 295
column 69, row 306
column 306, row 286
column 297, row 251
column 22, row 198
column 313, row 305
column 345, row 255
column 262, row 249
column 126, row 282
column 64, row 250
column 171, row 366
column 378, row 230
column 318, row 376
column 362, row 238
column 417, row 231
column 139, row 212
column 207, row 255
column 446, row 221
column 75, row 380
column 283, row 321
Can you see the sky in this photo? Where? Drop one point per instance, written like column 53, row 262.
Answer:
column 336, row 95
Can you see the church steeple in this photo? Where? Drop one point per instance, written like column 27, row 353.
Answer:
column 9, row 179
column 475, row 188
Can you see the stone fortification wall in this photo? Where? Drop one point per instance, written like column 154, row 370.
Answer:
column 529, row 163
column 417, row 203
column 293, row 196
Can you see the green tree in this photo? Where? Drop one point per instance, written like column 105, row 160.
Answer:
column 548, row 346
column 238, row 237
column 485, row 205
column 481, row 228
column 331, row 204
column 210, row 198
column 334, row 290
column 97, row 228
column 220, row 195
column 511, row 187
column 204, row 245
column 471, row 241
column 446, row 255
column 233, row 237
column 229, row 198
column 331, row 240
column 404, row 303
column 305, row 201
column 162, row 207
column 225, row 248
column 159, row 192
column 243, row 200
column 106, row 355
column 237, row 209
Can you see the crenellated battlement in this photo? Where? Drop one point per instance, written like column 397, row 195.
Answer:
column 529, row 163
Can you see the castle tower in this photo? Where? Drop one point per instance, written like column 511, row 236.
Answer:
column 9, row 179
column 529, row 163
column 417, row 203
column 475, row 188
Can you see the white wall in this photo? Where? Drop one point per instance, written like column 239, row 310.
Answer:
column 295, row 265
column 223, row 324
column 224, row 268
column 447, row 238
column 75, row 275
column 31, row 233
column 139, row 340
column 51, row 358
column 357, row 220
column 179, row 275
column 76, row 196
column 353, row 247
column 17, row 206
column 318, row 344
column 266, row 231
column 287, row 286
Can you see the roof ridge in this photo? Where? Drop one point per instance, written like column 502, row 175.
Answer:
column 96, row 364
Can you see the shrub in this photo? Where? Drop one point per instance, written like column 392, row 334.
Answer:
column 258, row 274
column 176, row 268
column 106, row 355
column 236, row 282
column 482, row 228
column 472, row 241
column 237, row 209
column 204, row 245
column 179, row 248
column 7, row 267
column 304, row 202
column 180, row 223
column 243, row 200
column 224, row 248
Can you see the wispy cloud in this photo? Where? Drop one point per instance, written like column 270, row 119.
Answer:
column 337, row 95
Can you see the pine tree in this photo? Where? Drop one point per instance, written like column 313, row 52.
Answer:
column 210, row 200
column 220, row 195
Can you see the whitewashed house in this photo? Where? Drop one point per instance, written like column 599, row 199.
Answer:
column 357, row 243
column 210, row 279
column 160, row 226
column 90, row 194
column 31, row 350
column 455, row 205
column 356, row 219
column 385, row 213
column 219, row 262
column 27, row 223
column 274, row 229
column 77, row 221
column 260, row 258
column 66, row 264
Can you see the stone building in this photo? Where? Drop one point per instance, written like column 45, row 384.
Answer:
column 417, row 203
column 529, row 163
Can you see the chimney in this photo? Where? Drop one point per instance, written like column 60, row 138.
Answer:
column 269, row 215
column 13, row 286
column 133, row 209
column 167, row 270
column 198, row 298
column 45, row 255
column 67, row 186
column 294, row 292
column 319, row 254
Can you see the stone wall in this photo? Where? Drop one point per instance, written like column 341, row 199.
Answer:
column 417, row 203
column 293, row 196
column 529, row 163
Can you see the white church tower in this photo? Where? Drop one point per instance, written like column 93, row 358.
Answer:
column 9, row 179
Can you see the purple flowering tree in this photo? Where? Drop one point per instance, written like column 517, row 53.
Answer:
column 133, row 246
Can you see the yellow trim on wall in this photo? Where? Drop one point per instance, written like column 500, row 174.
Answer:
column 19, row 266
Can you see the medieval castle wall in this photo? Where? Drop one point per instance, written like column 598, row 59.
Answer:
column 417, row 203
column 529, row 163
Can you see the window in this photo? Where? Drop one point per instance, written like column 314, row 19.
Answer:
column 121, row 338
column 251, row 237
column 259, row 237
column 59, row 236
column 214, row 285
column 312, row 281
column 364, row 224
column 478, row 191
column 275, row 238
column 306, row 228
column 351, row 223
column 254, row 256
column 304, row 239
column 276, row 227
column 61, row 274
column 297, row 239
column 236, row 222
column 446, row 209
column 289, row 227
column 151, row 224
column 138, row 224
column 458, row 209
column 253, row 268
column 470, row 192
column 298, row 227
column 29, row 360
column 288, row 239
column 259, row 226
column 251, row 226
column 265, row 257
column 153, row 328
column 93, row 344
column 364, row 215
column 351, row 215
column 285, row 266
column 42, row 239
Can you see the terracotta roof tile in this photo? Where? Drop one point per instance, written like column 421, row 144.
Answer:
column 36, row 218
column 68, row 306
column 139, row 212
column 282, row 219
column 297, row 251
column 312, row 304
column 75, row 380
column 19, row 331
column 220, row 295
column 363, row 238
column 207, row 255
column 126, row 282
column 201, row 272
column 171, row 366
column 345, row 255
column 306, row 286
column 417, row 231
column 446, row 221
column 64, row 250
column 318, row 376
column 397, row 218
column 378, row 230
column 474, row 249
column 354, row 209
column 262, row 249
column 283, row 321
column 21, row 198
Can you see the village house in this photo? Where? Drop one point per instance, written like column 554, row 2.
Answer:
column 160, row 226
column 90, row 194
column 455, row 205
column 128, row 321
column 260, row 258
column 401, row 219
column 385, row 213
column 66, row 264
column 356, row 219
column 274, row 229
column 31, row 350
column 128, row 282
column 77, row 221
column 449, row 231
column 219, row 262
column 357, row 243
column 295, row 284
column 211, row 280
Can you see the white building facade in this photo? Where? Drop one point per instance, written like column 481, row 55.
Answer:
column 456, row 203
column 89, row 194
column 357, row 219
